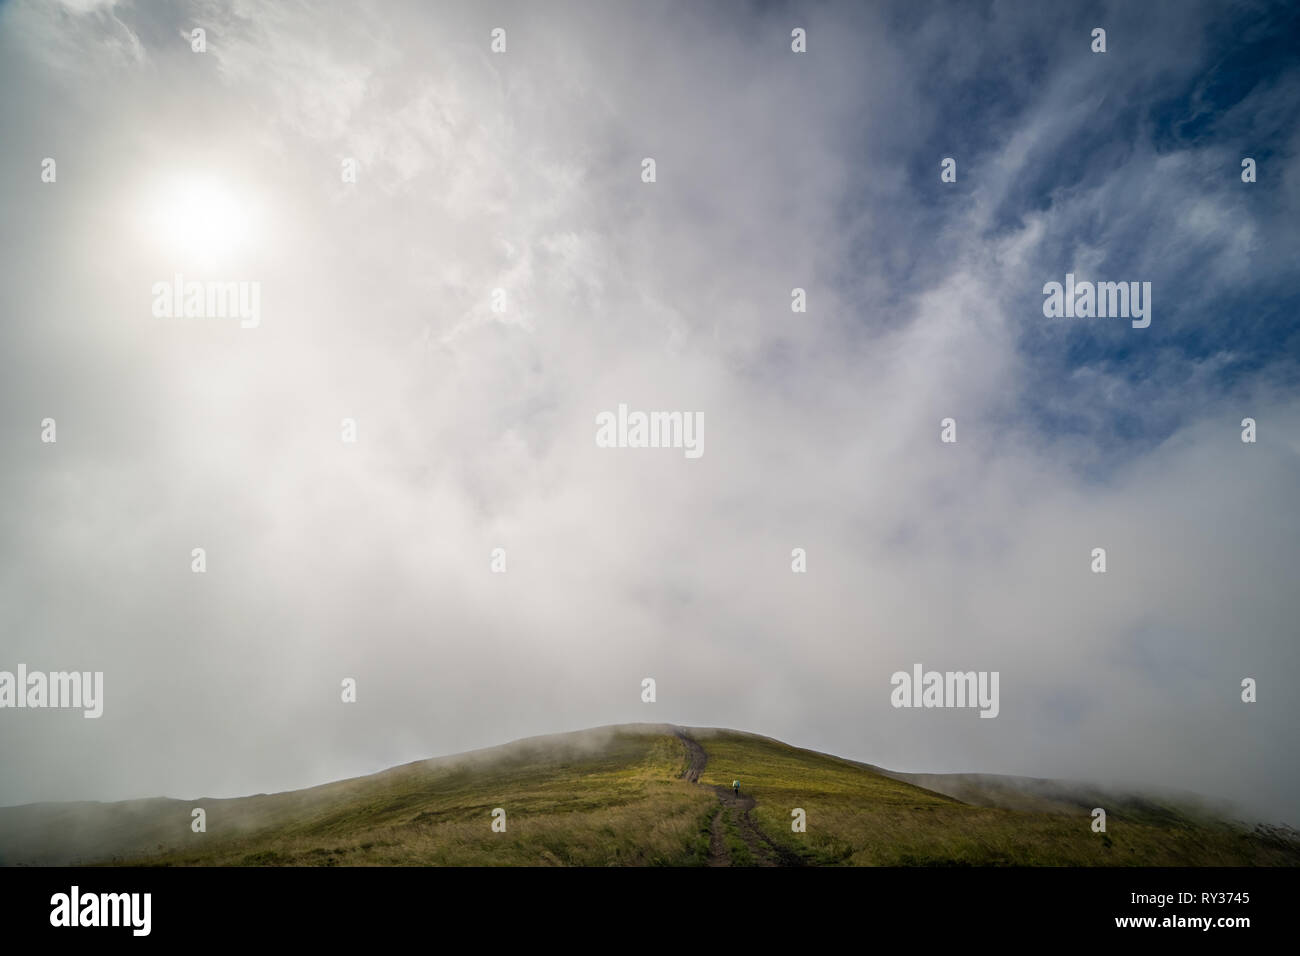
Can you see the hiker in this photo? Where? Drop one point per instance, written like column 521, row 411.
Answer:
column 735, row 785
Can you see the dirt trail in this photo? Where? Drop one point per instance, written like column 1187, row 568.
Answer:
column 733, row 809
column 695, row 753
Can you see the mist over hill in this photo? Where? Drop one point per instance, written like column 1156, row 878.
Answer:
column 648, row 794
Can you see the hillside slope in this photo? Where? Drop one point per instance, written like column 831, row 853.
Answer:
column 635, row 795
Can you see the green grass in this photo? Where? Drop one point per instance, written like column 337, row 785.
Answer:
column 737, row 849
column 613, row 797
column 619, row 806
column 858, row 817
column 703, row 836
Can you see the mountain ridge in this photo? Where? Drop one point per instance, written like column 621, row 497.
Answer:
column 646, row 794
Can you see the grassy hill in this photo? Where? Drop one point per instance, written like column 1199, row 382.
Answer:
column 644, row 795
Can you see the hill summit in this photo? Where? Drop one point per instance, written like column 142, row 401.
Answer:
column 647, row 795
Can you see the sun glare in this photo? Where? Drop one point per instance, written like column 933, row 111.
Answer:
column 202, row 220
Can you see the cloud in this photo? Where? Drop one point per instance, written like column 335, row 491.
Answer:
column 521, row 171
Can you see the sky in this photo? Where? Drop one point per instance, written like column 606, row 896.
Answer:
column 474, row 412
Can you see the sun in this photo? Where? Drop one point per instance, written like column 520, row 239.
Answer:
column 201, row 220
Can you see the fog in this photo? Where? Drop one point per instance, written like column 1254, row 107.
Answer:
column 475, row 429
